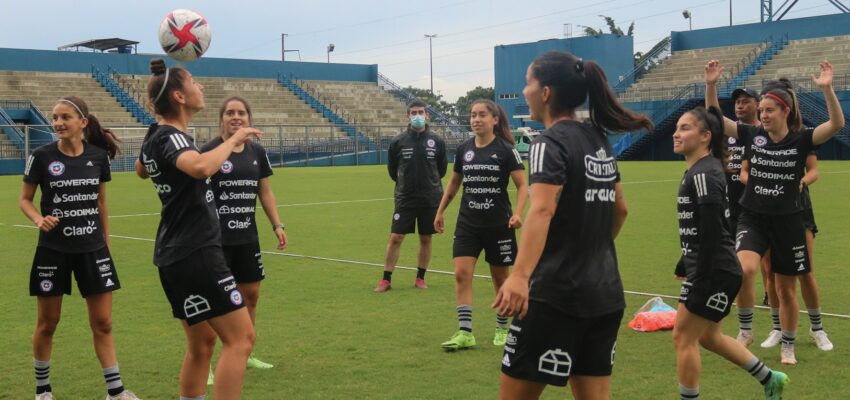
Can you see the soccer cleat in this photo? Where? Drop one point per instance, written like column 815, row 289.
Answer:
column 500, row 337
column 773, row 339
column 420, row 284
column 383, row 286
column 787, row 354
column 821, row 340
column 210, row 377
column 773, row 388
column 745, row 337
column 44, row 396
column 253, row 362
column 459, row 341
column 125, row 395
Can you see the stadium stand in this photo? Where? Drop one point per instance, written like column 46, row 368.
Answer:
column 364, row 104
column 798, row 61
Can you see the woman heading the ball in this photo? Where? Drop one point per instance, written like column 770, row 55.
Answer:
column 484, row 164
column 565, row 289
column 772, row 210
column 713, row 274
column 242, row 178
column 191, row 264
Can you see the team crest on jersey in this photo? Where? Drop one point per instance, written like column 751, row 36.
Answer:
column 236, row 297
column 760, row 141
column 431, row 143
column 227, row 167
column 600, row 166
column 56, row 168
column 46, row 285
column 469, row 156
column 732, row 140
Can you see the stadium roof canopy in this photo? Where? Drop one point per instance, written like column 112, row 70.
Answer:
column 101, row 45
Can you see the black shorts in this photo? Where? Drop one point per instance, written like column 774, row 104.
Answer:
column 548, row 346
column 809, row 221
column 245, row 262
column 200, row 286
column 51, row 272
column 784, row 235
column 420, row 218
column 498, row 243
column 717, row 301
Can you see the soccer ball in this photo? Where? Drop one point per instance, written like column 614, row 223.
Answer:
column 184, row 35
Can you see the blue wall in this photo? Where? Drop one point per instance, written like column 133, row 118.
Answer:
column 800, row 28
column 612, row 52
column 67, row 61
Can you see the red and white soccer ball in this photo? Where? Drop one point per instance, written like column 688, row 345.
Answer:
column 184, row 35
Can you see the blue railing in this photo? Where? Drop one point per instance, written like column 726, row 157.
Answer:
column 651, row 59
column 814, row 109
column 10, row 129
column 127, row 101
column 662, row 119
column 752, row 62
column 321, row 108
column 404, row 95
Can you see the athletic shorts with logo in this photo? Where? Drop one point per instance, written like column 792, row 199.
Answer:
column 716, row 303
column 498, row 243
column 245, row 262
column 51, row 272
column 549, row 346
column 200, row 286
column 405, row 220
column 784, row 235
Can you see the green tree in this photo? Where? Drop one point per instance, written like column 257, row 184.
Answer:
column 461, row 106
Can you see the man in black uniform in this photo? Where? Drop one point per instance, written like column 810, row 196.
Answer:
column 417, row 163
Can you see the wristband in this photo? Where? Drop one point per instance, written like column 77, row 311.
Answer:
column 281, row 226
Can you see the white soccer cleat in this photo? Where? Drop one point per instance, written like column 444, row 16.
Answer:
column 821, row 340
column 745, row 337
column 44, row 396
column 773, row 338
column 125, row 395
column 787, row 354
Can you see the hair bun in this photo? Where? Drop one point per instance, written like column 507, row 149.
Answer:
column 157, row 66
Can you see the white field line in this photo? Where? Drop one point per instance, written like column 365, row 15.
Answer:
column 436, row 271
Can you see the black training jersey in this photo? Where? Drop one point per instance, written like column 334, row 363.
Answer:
column 486, row 172
column 775, row 170
column 702, row 196
column 188, row 219
column 734, row 186
column 577, row 272
column 236, row 186
column 70, row 187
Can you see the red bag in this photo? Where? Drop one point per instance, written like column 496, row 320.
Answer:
column 651, row 321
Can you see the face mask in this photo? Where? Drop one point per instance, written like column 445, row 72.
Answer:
column 417, row 121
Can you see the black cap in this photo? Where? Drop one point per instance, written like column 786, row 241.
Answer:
column 739, row 91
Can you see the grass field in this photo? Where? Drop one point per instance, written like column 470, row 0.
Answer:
column 332, row 338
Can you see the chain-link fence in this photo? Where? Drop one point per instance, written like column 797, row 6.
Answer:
column 286, row 145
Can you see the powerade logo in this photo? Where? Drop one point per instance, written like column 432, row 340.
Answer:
column 56, row 168
column 227, row 167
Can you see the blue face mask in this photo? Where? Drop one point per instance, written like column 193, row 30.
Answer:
column 417, row 121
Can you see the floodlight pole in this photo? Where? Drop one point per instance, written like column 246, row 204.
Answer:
column 283, row 47
column 431, row 59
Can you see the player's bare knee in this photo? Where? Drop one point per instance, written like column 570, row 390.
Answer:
column 101, row 326
column 396, row 239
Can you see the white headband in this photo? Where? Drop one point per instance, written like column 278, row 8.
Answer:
column 75, row 107
column 164, row 83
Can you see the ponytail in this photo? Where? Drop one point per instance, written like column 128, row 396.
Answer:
column 606, row 112
column 575, row 81
column 502, row 128
column 94, row 133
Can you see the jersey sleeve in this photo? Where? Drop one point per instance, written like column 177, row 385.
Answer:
column 105, row 169
column 458, row 167
column 513, row 159
column 547, row 162
column 34, row 170
column 806, row 144
column 265, row 163
column 175, row 143
column 708, row 187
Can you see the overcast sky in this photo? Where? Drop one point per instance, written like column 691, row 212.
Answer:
column 383, row 32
